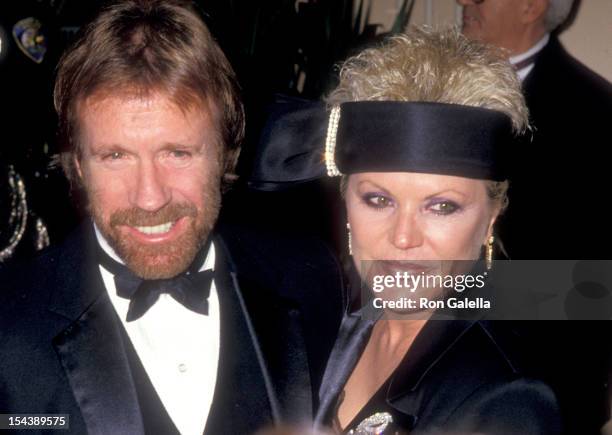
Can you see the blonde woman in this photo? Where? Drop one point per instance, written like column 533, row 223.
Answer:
column 419, row 129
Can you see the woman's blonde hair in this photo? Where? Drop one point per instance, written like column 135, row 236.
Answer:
column 440, row 66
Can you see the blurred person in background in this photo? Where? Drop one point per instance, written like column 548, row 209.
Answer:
column 568, row 151
column 562, row 167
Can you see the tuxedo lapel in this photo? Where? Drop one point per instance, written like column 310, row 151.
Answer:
column 288, row 364
column 90, row 348
column 430, row 345
column 244, row 399
column 352, row 338
column 91, row 352
column 278, row 323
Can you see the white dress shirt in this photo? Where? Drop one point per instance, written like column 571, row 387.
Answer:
column 178, row 348
column 523, row 72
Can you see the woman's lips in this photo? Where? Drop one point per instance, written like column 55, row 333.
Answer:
column 391, row 267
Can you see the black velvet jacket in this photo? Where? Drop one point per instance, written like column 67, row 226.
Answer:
column 458, row 377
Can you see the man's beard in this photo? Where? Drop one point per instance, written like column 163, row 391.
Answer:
column 160, row 260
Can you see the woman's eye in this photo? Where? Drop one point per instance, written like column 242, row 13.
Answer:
column 377, row 201
column 444, row 207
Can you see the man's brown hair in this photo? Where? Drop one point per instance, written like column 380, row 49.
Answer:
column 143, row 46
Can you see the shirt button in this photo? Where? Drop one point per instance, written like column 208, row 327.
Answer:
column 182, row 368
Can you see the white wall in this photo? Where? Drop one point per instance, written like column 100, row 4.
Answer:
column 590, row 36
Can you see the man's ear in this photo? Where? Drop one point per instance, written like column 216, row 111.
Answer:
column 77, row 166
column 533, row 10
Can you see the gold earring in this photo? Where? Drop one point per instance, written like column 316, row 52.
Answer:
column 350, row 238
column 489, row 253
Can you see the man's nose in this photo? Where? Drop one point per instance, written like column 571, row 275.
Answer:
column 407, row 232
column 152, row 191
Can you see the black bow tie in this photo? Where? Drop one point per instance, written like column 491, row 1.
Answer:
column 525, row 62
column 190, row 288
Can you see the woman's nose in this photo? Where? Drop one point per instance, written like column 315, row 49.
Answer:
column 406, row 232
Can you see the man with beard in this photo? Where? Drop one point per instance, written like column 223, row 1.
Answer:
column 152, row 318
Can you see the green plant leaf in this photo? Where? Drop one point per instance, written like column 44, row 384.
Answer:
column 403, row 17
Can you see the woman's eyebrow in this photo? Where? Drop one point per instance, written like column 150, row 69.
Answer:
column 374, row 184
column 442, row 192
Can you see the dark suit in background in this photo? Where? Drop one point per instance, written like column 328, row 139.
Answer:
column 562, row 171
column 64, row 349
column 558, row 194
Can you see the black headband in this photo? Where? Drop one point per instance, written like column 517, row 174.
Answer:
column 381, row 136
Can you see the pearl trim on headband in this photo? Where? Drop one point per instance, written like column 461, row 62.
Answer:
column 330, row 143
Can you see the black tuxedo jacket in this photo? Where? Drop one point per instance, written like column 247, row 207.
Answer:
column 458, row 377
column 64, row 349
column 561, row 171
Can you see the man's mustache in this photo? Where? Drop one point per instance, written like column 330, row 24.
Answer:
column 138, row 217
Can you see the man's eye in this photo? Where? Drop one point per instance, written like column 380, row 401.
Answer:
column 377, row 201
column 180, row 154
column 444, row 207
column 116, row 155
